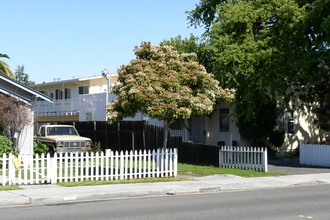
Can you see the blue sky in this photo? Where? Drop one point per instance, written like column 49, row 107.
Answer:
column 78, row 38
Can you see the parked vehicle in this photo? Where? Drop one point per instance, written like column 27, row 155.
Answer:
column 63, row 138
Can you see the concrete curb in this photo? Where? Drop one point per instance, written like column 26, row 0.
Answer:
column 55, row 194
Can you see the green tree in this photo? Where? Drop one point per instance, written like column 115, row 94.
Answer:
column 193, row 44
column 268, row 50
column 166, row 85
column 22, row 77
column 4, row 67
column 314, row 38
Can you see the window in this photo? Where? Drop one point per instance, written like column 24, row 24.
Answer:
column 286, row 122
column 83, row 90
column 88, row 116
column 224, row 119
column 67, row 93
column 42, row 131
column 289, row 128
column 58, row 94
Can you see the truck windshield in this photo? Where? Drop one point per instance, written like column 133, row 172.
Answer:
column 61, row 131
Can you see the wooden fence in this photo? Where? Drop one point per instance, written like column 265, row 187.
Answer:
column 250, row 158
column 121, row 165
column 314, row 154
column 120, row 136
column 230, row 157
column 197, row 153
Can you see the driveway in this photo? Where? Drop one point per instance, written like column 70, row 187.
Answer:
column 291, row 166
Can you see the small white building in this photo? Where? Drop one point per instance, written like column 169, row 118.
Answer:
column 29, row 97
column 80, row 99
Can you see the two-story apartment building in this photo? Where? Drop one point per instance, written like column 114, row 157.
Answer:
column 79, row 99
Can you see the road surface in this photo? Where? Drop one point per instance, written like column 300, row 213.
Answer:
column 311, row 202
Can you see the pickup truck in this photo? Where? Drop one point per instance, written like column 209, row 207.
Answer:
column 62, row 139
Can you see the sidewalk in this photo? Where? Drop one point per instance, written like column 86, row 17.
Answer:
column 40, row 194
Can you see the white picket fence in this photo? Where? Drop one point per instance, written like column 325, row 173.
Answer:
column 314, row 154
column 250, row 158
column 26, row 169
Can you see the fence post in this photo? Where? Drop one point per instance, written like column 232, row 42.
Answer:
column 4, row 170
column 175, row 161
column 107, row 156
column 220, row 156
column 265, row 160
column 53, row 160
column 11, row 169
column 126, row 165
column 171, row 157
column 140, row 164
column 121, row 168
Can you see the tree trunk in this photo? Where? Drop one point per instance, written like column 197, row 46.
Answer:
column 187, row 125
column 166, row 125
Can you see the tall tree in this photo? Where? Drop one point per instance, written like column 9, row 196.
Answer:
column 22, row 77
column 268, row 50
column 4, row 67
column 165, row 85
column 193, row 44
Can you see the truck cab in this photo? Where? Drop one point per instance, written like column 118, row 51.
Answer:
column 63, row 139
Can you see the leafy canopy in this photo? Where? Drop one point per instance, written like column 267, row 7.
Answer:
column 164, row 84
column 23, row 77
column 269, row 50
column 193, row 44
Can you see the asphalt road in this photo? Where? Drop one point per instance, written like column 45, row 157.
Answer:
column 291, row 166
column 286, row 203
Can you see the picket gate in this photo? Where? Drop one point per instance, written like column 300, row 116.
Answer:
column 28, row 169
column 251, row 158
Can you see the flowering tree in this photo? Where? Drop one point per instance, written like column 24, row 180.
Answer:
column 14, row 115
column 165, row 85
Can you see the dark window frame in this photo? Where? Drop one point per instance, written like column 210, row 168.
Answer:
column 83, row 90
column 224, row 123
column 67, row 93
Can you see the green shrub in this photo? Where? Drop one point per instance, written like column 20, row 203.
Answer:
column 277, row 138
column 39, row 148
column 5, row 146
column 97, row 147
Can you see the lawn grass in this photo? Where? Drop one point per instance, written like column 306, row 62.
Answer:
column 195, row 170
column 10, row 187
column 183, row 169
column 187, row 169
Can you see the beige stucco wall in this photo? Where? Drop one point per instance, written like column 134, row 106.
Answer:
column 214, row 135
column 206, row 129
column 304, row 130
